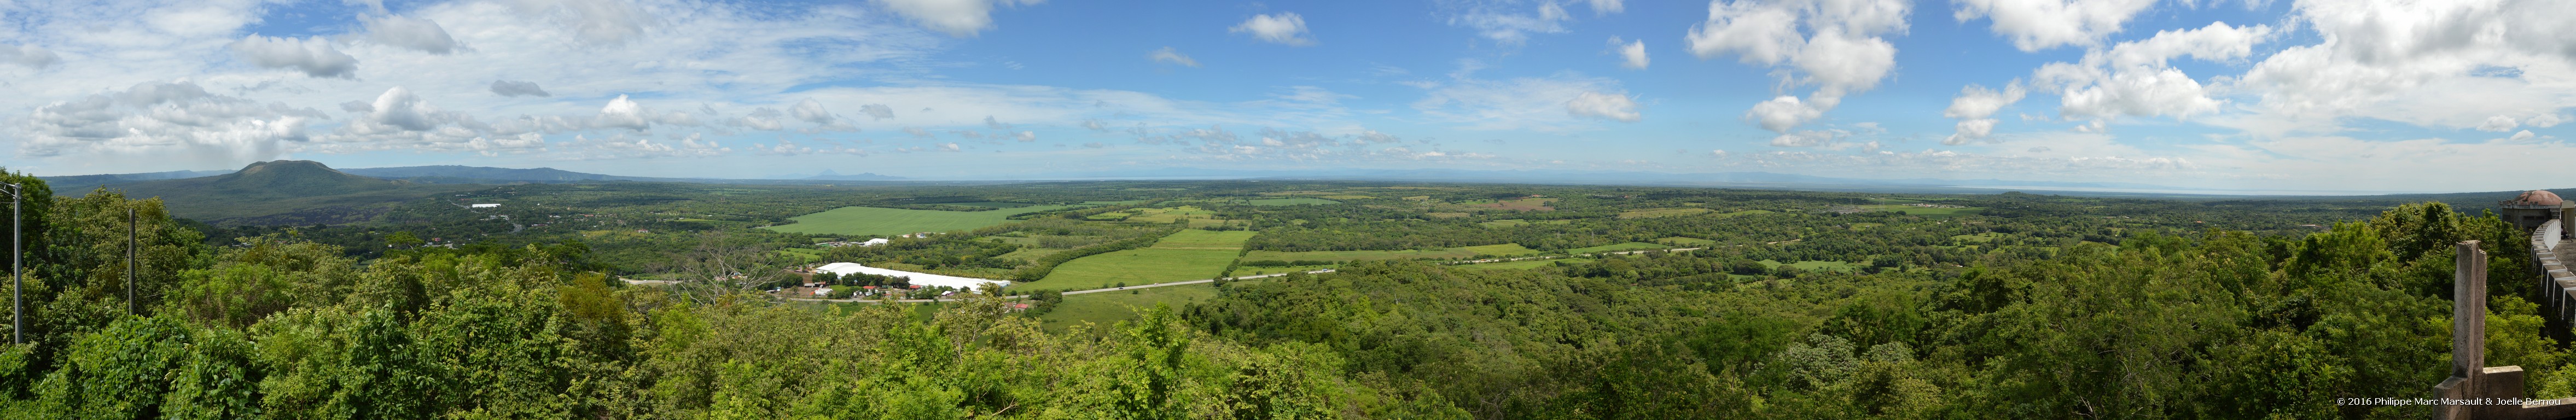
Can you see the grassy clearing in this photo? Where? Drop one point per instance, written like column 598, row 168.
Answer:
column 1745, row 213
column 1630, row 246
column 1106, row 308
column 1686, row 241
column 1349, row 197
column 1524, row 264
column 1185, row 255
column 1505, row 223
column 885, row 221
column 1291, row 201
column 1632, row 214
column 1866, row 225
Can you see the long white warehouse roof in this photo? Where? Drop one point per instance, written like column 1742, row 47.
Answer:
column 923, row 279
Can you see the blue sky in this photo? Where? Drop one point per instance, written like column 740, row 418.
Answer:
column 2364, row 95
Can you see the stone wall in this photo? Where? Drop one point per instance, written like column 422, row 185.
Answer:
column 2557, row 284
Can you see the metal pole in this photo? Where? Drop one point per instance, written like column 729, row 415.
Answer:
column 131, row 308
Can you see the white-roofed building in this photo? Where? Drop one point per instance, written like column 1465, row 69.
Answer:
column 921, row 279
column 875, row 242
column 486, row 205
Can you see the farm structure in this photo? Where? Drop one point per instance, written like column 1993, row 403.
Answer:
column 921, row 279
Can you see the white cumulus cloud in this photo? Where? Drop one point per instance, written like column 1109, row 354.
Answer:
column 963, row 18
column 314, row 56
column 1283, row 28
column 1840, row 51
column 1600, row 105
column 1169, row 55
column 1631, row 54
column 2035, row 25
column 1975, row 108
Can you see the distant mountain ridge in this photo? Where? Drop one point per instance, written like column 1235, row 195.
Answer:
column 286, row 178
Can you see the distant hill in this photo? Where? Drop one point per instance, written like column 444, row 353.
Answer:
column 297, row 192
column 82, row 184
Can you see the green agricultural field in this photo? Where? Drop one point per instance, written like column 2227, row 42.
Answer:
column 1523, row 264
column 1186, row 255
column 1630, row 246
column 888, row 222
column 1106, row 308
column 1505, row 223
column 1290, row 201
column 1447, row 253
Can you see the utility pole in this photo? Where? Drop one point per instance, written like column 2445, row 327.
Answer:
column 131, row 308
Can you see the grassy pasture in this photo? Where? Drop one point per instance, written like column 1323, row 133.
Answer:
column 1186, row 255
column 1106, row 308
column 888, row 222
column 1348, row 197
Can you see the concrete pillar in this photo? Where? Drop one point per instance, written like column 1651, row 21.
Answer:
column 2469, row 311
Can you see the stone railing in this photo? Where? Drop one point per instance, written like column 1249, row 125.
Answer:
column 2474, row 390
column 2557, row 283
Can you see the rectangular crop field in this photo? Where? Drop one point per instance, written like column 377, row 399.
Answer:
column 1186, row 255
column 878, row 221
